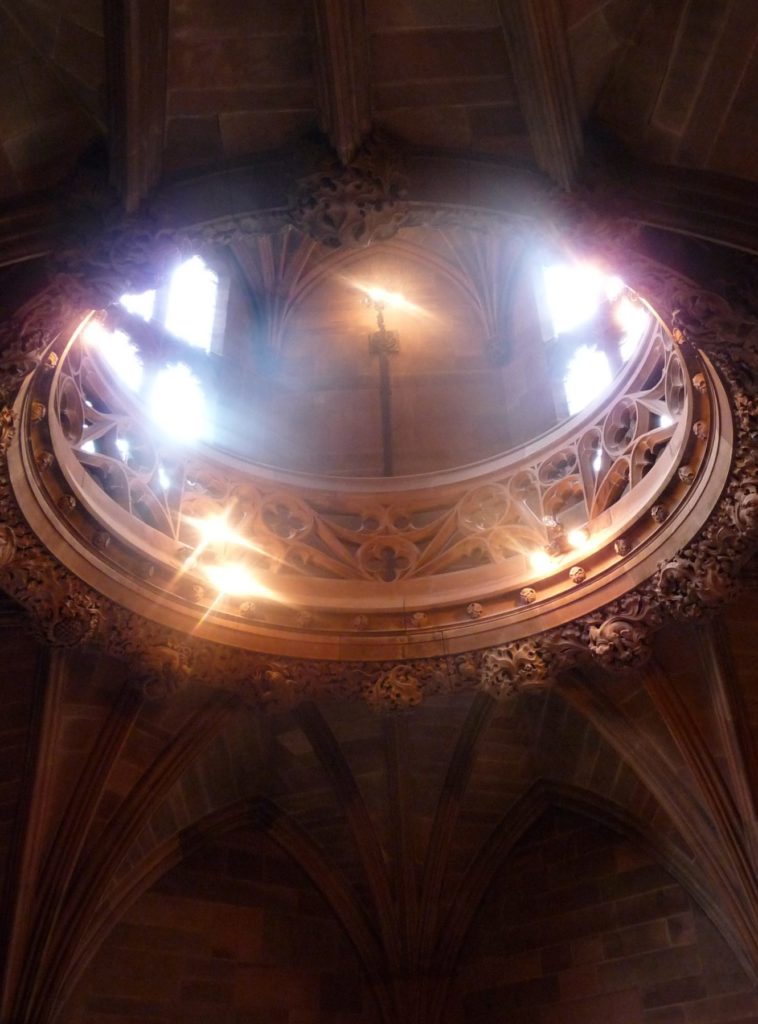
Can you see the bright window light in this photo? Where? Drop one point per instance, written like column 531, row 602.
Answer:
column 574, row 292
column 634, row 320
column 140, row 305
column 191, row 308
column 589, row 374
column 613, row 287
column 177, row 403
column 118, row 351
column 124, row 448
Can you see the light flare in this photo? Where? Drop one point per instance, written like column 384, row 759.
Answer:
column 578, row 538
column 613, row 287
column 216, row 530
column 390, row 300
column 234, row 579
column 574, row 292
column 118, row 351
column 395, row 300
column 541, row 561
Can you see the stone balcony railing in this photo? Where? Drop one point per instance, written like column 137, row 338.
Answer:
column 364, row 561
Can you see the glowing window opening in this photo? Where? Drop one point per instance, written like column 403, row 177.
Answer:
column 191, row 308
column 190, row 303
column 589, row 374
column 574, row 292
column 140, row 305
column 175, row 397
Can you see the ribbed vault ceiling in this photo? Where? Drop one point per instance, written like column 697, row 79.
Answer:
column 671, row 83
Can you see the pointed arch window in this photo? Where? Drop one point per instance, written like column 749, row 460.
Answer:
column 187, row 307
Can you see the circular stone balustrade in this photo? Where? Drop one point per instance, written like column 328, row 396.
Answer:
column 385, row 588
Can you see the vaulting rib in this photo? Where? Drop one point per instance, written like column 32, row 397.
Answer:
column 136, row 42
column 342, row 73
column 538, row 51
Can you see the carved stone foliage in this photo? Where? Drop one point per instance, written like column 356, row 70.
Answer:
column 619, row 642
column 703, row 574
column 505, row 670
column 396, row 688
column 63, row 611
column 707, row 572
column 355, row 204
column 7, row 545
column 164, row 669
column 125, row 257
column 7, row 429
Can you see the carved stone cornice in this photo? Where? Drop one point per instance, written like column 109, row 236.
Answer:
column 68, row 612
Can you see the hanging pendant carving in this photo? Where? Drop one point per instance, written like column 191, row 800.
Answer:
column 355, row 204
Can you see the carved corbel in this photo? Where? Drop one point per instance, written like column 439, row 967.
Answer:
column 396, row 688
column 620, row 643
column 506, row 670
column 355, row 204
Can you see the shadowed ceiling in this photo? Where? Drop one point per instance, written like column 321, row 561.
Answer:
column 198, row 810
column 667, row 81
